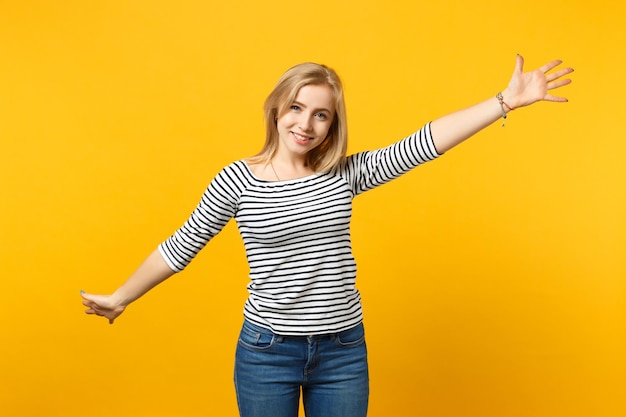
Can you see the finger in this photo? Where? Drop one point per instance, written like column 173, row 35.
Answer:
column 95, row 312
column 547, row 67
column 90, row 304
column 101, row 311
column 558, row 74
column 558, row 83
column 550, row 97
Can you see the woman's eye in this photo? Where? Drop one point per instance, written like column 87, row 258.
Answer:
column 295, row 107
column 321, row 116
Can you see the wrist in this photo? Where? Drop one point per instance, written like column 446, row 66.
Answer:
column 508, row 101
column 505, row 108
column 118, row 299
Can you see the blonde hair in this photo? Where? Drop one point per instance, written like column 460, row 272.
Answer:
column 331, row 152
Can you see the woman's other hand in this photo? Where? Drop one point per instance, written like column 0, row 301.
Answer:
column 102, row 305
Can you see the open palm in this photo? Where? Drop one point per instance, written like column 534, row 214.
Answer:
column 529, row 87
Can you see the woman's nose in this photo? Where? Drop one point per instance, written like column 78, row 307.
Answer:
column 305, row 123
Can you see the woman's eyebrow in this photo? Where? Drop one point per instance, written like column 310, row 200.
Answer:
column 302, row 105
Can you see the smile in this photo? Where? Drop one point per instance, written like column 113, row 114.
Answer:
column 301, row 138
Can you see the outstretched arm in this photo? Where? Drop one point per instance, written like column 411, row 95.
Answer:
column 525, row 88
column 150, row 273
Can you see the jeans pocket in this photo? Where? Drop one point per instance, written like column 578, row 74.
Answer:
column 351, row 337
column 253, row 339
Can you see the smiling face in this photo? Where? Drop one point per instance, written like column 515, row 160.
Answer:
column 306, row 123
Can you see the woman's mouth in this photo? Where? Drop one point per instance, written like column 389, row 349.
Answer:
column 301, row 138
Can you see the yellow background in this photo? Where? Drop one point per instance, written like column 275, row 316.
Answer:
column 493, row 278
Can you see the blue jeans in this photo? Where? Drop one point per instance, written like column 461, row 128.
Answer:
column 331, row 370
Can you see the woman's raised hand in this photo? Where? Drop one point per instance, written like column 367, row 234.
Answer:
column 526, row 88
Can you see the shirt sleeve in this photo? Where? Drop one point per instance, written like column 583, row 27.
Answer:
column 370, row 169
column 215, row 209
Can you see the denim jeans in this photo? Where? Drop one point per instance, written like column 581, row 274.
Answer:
column 331, row 370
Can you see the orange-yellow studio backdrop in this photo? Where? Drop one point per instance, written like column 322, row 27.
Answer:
column 493, row 279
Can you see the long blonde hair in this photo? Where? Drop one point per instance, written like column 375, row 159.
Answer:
column 333, row 149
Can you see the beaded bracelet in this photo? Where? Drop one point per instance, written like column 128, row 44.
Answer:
column 502, row 105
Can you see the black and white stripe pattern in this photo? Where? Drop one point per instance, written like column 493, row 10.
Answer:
column 297, row 235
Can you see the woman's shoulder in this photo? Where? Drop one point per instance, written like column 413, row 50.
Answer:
column 236, row 169
column 256, row 168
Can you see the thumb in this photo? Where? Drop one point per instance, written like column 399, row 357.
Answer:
column 519, row 64
column 85, row 296
column 90, row 298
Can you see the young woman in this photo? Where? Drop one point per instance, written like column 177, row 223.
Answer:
column 292, row 202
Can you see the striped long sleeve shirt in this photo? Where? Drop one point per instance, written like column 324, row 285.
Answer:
column 296, row 235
